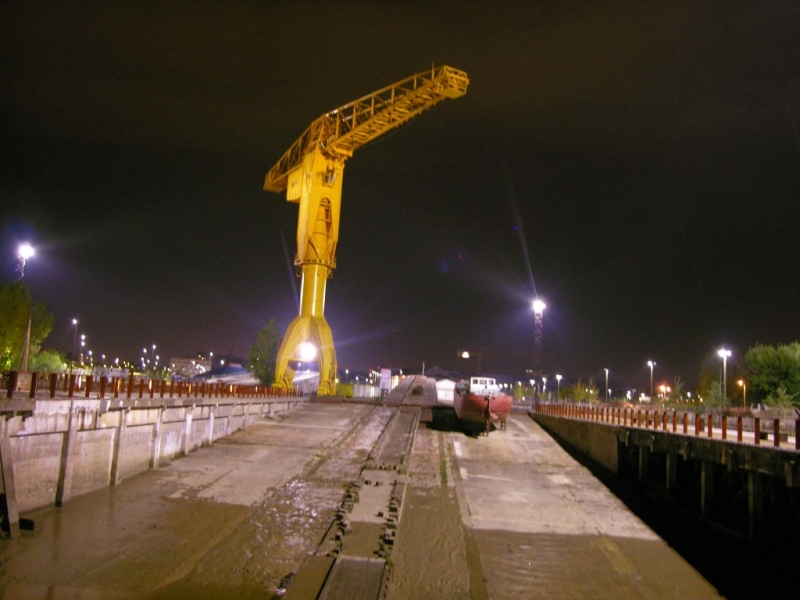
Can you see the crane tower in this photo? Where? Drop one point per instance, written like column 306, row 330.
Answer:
column 311, row 173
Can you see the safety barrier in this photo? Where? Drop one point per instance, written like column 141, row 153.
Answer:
column 684, row 423
column 69, row 385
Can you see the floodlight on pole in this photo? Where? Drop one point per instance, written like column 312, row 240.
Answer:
column 24, row 252
column 724, row 354
column 606, row 370
column 558, row 385
column 538, row 310
column 651, row 364
column 743, row 385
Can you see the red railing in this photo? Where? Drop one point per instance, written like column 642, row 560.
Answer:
column 668, row 420
column 69, row 384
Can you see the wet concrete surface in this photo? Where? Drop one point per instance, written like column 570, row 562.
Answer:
column 229, row 521
column 510, row 515
column 545, row 527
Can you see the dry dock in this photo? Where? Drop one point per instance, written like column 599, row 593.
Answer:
column 351, row 500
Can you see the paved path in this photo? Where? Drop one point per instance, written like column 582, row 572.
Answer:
column 546, row 528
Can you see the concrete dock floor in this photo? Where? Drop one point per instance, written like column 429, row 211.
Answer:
column 510, row 515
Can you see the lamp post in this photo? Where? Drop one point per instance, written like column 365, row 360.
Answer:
column 651, row 364
column 743, row 385
column 724, row 354
column 24, row 252
column 538, row 310
column 558, row 386
column 74, row 338
column 606, row 370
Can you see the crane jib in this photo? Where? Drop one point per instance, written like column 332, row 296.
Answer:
column 343, row 130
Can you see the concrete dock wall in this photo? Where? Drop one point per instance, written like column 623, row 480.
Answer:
column 599, row 443
column 66, row 448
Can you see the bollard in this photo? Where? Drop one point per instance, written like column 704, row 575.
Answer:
column 776, row 432
column 141, row 387
column 53, row 384
column 697, row 425
column 797, row 434
column 739, row 428
column 103, row 381
column 117, row 383
column 638, row 418
column 130, row 386
column 647, row 419
column 710, row 426
column 71, row 385
column 171, row 388
column 757, row 430
column 88, row 385
column 664, row 421
column 685, row 423
column 724, row 427
column 152, row 387
column 34, row 381
column 655, row 421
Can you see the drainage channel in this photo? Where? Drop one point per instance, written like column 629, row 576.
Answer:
column 353, row 560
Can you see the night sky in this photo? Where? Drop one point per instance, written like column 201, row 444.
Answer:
column 652, row 150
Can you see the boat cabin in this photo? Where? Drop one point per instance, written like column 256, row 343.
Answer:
column 483, row 385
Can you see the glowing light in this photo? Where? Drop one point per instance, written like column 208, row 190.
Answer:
column 465, row 355
column 25, row 251
column 307, row 351
column 538, row 306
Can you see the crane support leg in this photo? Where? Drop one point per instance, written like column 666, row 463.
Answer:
column 305, row 328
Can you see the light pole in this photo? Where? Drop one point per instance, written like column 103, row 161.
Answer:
column 74, row 338
column 724, row 354
column 83, row 344
column 651, row 364
column 558, row 386
column 153, row 355
column 743, row 385
column 606, row 370
column 538, row 310
column 24, row 252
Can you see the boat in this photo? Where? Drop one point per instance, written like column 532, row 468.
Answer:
column 481, row 403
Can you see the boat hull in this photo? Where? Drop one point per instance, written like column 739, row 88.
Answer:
column 481, row 410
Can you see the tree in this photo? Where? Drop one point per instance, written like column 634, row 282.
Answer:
column 676, row 395
column 15, row 309
column 773, row 367
column 782, row 399
column 47, row 361
column 264, row 352
column 583, row 392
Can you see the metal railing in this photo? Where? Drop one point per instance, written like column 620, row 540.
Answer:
column 784, row 433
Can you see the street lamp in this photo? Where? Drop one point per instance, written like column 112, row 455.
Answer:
column 153, row 355
column 24, row 252
column 538, row 310
column 743, row 385
column 606, row 370
column 74, row 338
column 558, row 386
column 724, row 354
column 651, row 364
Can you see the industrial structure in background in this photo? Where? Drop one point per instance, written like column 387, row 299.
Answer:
column 311, row 173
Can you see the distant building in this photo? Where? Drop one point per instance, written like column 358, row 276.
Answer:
column 189, row 366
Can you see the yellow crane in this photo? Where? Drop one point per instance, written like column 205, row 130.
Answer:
column 311, row 173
